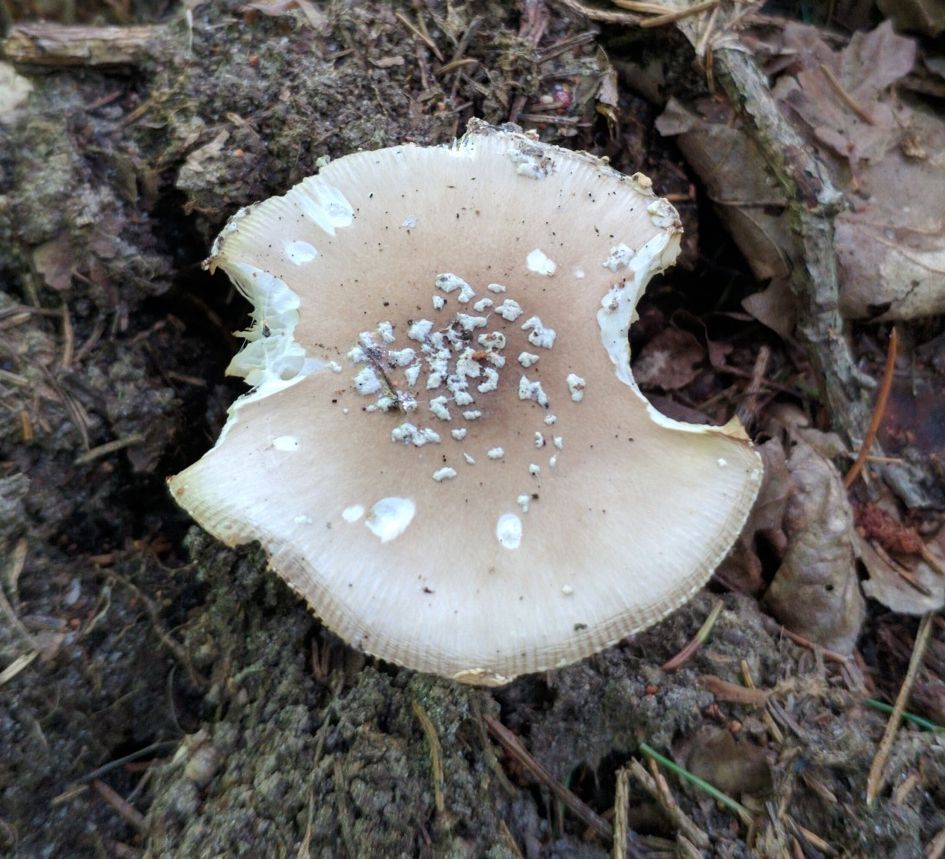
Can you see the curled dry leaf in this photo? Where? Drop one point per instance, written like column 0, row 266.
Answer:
column 816, row 592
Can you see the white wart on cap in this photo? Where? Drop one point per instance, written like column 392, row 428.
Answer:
column 444, row 450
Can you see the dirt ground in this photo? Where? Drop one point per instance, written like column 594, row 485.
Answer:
column 163, row 696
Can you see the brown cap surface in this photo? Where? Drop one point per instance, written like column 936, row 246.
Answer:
column 444, row 451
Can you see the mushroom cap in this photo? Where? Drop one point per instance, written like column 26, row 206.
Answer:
column 468, row 523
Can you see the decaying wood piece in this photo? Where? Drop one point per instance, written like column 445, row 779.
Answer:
column 59, row 46
column 813, row 201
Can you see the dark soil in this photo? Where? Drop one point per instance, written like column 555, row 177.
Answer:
column 167, row 697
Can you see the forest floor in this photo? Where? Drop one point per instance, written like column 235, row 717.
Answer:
column 164, row 696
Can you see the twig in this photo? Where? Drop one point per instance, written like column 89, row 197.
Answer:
column 621, row 814
column 693, row 646
column 813, row 200
column 79, row 419
column 604, row 15
column 704, row 48
column 832, row 655
column 68, row 339
column 98, row 329
column 819, row 788
column 506, row 833
column 423, row 37
column 15, row 567
column 747, row 409
column 436, row 757
column 109, row 447
column 14, row 622
column 781, row 715
column 345, row 819
column 936, row 847
column 21, row 663
column 564, row 45
column 513, row 746
column 643, row 8
column 876, row 779
column 124, row 759
column 660, row 792
column 879, row 410
column 187, row 380
column 178, row 651
column 733, row 693
column 743, row 814
column 26, row 427
column 769, row 721
column 125, row 809
column 809, row 837
column 679, row 14
column 544, row 119
column 904, row 788
column 906, row 575
column 931, row 560
column 453, row 65
column 16, row 311
column 14, row 379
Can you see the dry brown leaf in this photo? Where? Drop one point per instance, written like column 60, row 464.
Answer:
column 55, row 261
column 734, row 767
column 891, row 245
column 888, row 156
column 735, row 180
column 669, row 361
column 815, row 592
column 886, row 584
column 775, row 306
column 823, row 85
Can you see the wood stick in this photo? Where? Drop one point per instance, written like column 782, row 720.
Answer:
column 59, row 46
column 813, row 201
column 513, row 745
column 879, row 411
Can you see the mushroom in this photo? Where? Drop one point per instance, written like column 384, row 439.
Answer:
column 472, row 489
